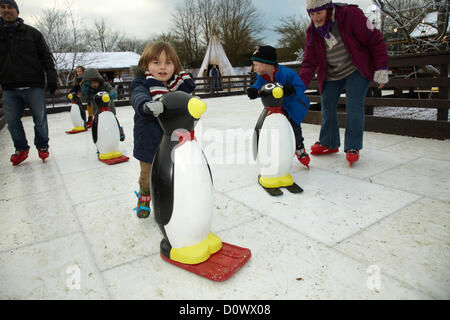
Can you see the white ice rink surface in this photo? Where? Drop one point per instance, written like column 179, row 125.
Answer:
column 378, row 230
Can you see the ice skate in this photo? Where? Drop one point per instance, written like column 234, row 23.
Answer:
column 352, row 156
column 319, row 148
column 18, row 157
column 303, row 157
column 43, row 153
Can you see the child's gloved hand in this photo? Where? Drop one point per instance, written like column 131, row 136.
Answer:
column 113, row 94
column 85, row 87
column 252, row 93
column 288, row 89
column 154, row 108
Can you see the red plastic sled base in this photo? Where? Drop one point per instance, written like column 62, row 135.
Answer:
column 221, row 265
column 115, row 160
column 73, row 132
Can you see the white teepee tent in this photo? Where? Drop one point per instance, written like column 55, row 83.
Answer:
column 216, row 55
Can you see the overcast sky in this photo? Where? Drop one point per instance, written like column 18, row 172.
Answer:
column 143, row 18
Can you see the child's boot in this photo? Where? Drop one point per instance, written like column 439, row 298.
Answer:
column 302, row 156
column 143, row 207
column 89, row 123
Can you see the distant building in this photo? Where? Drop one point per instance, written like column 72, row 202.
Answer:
column 108, row 63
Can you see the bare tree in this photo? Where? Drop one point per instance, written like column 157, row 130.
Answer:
column 403, row 16
column 238, row 28
column 207, row 14
column 62, row 30
column 292, row 32
column 102, row 38
column 188, row 31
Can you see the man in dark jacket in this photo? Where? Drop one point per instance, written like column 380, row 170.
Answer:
column 27, row 66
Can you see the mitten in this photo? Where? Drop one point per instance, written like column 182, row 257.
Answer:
column 381, row 76
column 288, row 89
column 113, row 94
column 154, row 108
column 85, row 87
column 252, row 93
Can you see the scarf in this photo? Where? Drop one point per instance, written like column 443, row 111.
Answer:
column 158, row 89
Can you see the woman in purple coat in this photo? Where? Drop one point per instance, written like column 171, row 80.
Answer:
column 347, row 52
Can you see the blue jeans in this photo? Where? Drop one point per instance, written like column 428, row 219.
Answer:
column 356, row 86
column 14, row 103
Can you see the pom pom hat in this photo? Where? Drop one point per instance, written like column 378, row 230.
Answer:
column 317, row 5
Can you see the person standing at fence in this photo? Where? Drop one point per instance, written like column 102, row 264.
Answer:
column 159, row 71
column 27, row 66
column 117, row 85
column 347, row 52
column 214, row 73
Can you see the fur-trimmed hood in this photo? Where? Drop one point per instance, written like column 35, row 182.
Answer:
column 92, row 74
column 137, row 71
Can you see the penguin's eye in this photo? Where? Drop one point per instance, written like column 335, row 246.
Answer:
column 270, row 86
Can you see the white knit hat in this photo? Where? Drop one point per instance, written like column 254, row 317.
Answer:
column 317, row 5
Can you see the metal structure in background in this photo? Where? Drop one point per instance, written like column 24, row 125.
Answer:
column 415, row 91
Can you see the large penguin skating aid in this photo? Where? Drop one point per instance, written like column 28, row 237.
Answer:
column 106, row 132
column 77, row 114
column 181, row 189
column 274, row 143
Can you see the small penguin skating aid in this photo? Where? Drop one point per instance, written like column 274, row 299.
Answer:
column 77, row 114
column 274, row 143
column 106, row 132
column 182, row 196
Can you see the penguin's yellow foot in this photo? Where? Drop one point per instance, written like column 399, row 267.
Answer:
column 276, row 182
column 76, row 129
column 110, row 155
column 197, row 253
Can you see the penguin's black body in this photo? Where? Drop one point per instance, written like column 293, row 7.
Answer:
column 182, row 191
column 268, row 100
column 175, row 117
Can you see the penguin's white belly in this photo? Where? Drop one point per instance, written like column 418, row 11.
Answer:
column 108, row 134
column 276, row 146
column 191, row 218
column 75, row 115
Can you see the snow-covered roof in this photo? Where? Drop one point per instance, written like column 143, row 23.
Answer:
column 97, row 60
column 425, row 30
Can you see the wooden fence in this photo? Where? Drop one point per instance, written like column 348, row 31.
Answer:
column 422, row 90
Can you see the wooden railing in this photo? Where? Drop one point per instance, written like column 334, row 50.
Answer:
column 416, row 91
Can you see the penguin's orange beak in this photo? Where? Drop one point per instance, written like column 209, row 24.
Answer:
column 196, row 107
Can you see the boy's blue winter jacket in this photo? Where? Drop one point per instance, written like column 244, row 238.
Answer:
column 296, row 105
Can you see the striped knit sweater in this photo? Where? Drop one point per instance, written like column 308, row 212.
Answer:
column 339, row 62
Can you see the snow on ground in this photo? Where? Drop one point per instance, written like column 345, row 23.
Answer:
column 378, row 230
column 406, row 113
